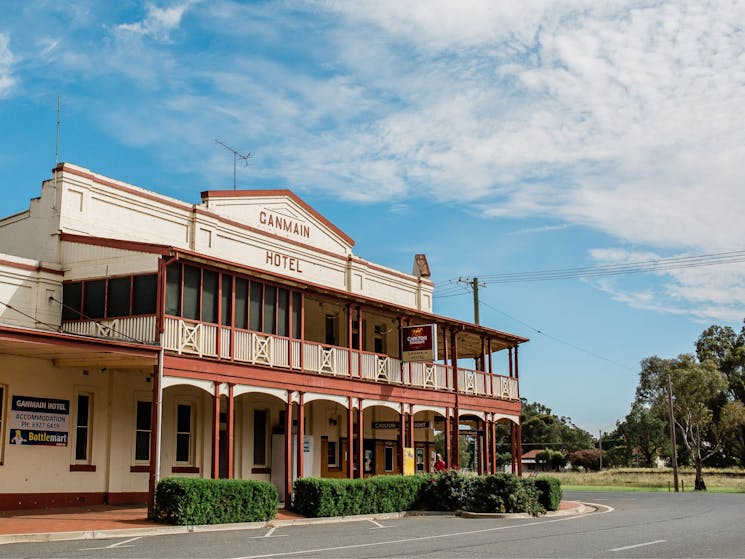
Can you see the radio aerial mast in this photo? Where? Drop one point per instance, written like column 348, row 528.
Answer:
column 236, row 156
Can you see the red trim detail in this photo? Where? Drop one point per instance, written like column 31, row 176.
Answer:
column 30, row 267
column 185, row 470
column 20, row 501
column 82, row 468
column 139, row 469
column 278, row 192
column 261, row 470
column 71, row 340
column 136, row 246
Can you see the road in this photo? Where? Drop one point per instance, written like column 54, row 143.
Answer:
column 625, row 525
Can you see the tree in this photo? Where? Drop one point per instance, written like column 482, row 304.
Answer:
column 695, row 386
column 541, row 427
column 587, row 458
column 726, row 349
column 642, row 433
column 553, row 459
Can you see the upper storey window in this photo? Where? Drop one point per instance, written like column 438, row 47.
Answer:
column 207, row 295
column 109, row 297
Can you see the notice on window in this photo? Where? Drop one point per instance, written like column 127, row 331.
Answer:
column 39, row 421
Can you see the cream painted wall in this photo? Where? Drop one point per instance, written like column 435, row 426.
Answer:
column 80, row 202
column 43, row 469
column 28, row 291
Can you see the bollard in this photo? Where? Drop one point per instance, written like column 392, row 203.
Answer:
column 682, row 486
column 668, row 486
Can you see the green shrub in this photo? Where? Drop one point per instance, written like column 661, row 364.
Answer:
column 503, row 493
column 189, row 501
column 322, row 497
column 549, row 492
column 446, row 491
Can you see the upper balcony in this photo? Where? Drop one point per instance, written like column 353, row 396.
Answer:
column 229, row 317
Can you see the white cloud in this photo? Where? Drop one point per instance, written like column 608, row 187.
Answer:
column 7, row 80
column 159, row 22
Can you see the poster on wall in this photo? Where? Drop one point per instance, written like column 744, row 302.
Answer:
column 38, row 421
column 419, row 343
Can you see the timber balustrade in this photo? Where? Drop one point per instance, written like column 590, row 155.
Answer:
column 246, row 346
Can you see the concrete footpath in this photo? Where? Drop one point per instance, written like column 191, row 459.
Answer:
column 102, row 522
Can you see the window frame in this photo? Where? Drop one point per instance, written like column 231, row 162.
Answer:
column 137, row 430
column 87, row 427
column 192, row 438
column 266, row 452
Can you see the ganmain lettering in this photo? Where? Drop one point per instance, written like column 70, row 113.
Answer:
column 284, row 224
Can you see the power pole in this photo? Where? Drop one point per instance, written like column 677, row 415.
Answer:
column 673, row 442
column 474, row 284
column 600, row 445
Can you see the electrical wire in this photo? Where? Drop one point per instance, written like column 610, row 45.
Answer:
column 643, row 266
column 48, row 325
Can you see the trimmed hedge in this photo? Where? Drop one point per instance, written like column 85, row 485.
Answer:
column 549, row 491
column 447, row 491
column 190, row 501
column 323, row 497
column 503, row 493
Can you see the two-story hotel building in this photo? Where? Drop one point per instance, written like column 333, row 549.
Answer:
column 142, row 337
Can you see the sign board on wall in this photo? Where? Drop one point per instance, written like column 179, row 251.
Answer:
column 419, row 343
column 396, row 425
column 39, row 421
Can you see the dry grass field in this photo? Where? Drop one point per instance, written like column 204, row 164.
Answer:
column 651, row 479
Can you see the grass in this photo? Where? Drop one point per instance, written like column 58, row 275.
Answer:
column 648, row 479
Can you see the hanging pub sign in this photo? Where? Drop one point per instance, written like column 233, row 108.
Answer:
column 419, row 342
column 39, row 421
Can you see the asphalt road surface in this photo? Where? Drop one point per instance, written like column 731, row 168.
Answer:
column 624, row 525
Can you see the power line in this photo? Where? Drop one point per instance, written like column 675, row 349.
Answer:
column 643, row 266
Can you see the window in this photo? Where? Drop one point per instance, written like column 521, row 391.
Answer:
column 330, row 322
column 283, row 302
column 260, row 429
column 388, row 455
column 173, row 289
column 184, row 436
column 257, row 296
column 379, row 338
column 2, row 421
column 94, row 298
column 270, row 309
column 83, row 413
column 192, row 288
column 241, row 303
column 145, row 294
column 119, row 296
column 297, row 303
column 333, row 454
column 71, row 296
column 143, row 430
column 227, row 299
column 209, row 296
column 114, row 297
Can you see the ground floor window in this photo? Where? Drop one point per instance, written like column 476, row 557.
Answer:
column 333, row 454
column 388, row 457
column 143, row 430
column 3, row 391
column 184, row 434
column 261, row 425
column 83, row 421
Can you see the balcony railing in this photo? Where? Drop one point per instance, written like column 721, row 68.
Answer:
column 245, row 346
column 198, row 338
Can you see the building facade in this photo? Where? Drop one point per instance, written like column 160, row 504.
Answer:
column 144, row 337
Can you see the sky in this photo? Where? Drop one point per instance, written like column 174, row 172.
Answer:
column 495, row 137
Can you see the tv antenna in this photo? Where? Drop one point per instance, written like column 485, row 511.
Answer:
column 236, row 156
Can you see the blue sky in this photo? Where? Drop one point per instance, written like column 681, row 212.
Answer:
column 493, row 136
